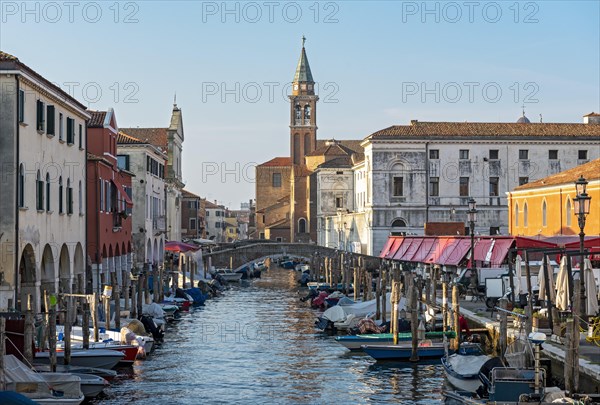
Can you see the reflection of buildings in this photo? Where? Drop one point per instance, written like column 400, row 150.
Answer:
column 147, row 162
column 545, row 207
column 43, row 187
column 192, row 216
column 109, row 204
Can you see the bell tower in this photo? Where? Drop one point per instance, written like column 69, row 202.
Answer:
column 303, row 111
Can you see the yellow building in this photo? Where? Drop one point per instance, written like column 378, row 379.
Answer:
column 546, row 207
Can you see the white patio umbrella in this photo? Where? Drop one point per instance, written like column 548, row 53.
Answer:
column 518, row 273
column 562, row 286
column 542, row 282
column 590, row 288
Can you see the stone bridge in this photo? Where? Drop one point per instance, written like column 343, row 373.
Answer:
column 238, row 256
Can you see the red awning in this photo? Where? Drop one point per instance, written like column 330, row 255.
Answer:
column 524, row 242
column 403, row 248
column 455, row 254
column 590, row 243
column 397, row 242
column 482, row 249
column 438, row 249
column 407, row 251
column 424, row 250
column 124, row 195
column 387, row 246
column 500, row 250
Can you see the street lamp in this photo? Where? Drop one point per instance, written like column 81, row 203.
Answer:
column 582, row 209
column 472, row 216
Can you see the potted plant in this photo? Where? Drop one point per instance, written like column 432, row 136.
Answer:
column 540, row 321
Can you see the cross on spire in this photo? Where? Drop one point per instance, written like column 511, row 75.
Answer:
column 523, row 107
column 303, row 40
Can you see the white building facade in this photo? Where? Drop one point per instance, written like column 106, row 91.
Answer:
column 149, row 226
column 42, row 203
column 427, row 171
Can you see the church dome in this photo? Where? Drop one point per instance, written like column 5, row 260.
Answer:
column 523, row 119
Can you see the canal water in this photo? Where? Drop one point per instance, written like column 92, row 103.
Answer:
column 257, row 344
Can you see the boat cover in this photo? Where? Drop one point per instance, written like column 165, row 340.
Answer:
column 334, row 314
column 467, row 365
column 153, row 310
column 34, row 385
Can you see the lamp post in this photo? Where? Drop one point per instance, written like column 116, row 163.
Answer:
column 472, row 216
column 582, row 209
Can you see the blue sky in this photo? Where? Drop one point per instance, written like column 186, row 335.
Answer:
column 376, row 64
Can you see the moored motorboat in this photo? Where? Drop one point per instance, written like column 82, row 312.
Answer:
column 462, row 368
column 403, row 352
column 107, row 374
column 43, row 388
column 91, row 385
column 129, row 351
column 354, row 342
column 97, row 358
column 229, row 275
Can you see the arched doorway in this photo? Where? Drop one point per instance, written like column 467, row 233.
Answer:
column 28, row 280
column 64, row 270
column 48, row 271
column 79, row 272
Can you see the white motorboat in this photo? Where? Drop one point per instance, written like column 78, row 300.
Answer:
column 229, row 275
column 363, row 308
column 43, row 388
column 462, row 370
column 77, row 336
column 91, row 385
column 97, row 358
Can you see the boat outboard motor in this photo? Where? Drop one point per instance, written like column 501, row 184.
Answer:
column 150, row 327
column 485, row 373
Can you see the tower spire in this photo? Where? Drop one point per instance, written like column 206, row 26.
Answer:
column 303, row 73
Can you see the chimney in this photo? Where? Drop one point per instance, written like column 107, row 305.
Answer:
column 591, row 118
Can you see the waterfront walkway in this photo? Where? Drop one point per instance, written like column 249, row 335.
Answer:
column 589, row 353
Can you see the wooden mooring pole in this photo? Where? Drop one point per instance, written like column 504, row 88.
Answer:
column 67, row 329
column 456, row 309
column 414, row 319
column 29, row 331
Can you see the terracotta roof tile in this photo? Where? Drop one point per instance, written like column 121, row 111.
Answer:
column 338, row 162
column 188, row 194
column 97, row 119
column 281, row 224
column 123, row 138
column 353, row 144
column 155, row 136
column 332, row 148
column 487, row 129
column 278, row 162
column 590, row 171
column 8, row 57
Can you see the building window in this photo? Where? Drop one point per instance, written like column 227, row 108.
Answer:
column 193, row 224
column 516, row 214
column 339, row 202
column 70, row 131
column 277, row 239
column 399, row 223
column 69, row 197
column 544, row 214
column 80, row 136
column 525, row 219
column 582, row 154
column 40, row 121
column 463, row 154
column 276, row 179
column 434, row 186
column 50, row 118
column 494, row 186
column 39, row 196
column 494, row 230
column 61, row 132
column 21, row 186
column 80, row 191
column 398, row 186
column 123, row 162
column 434, row 154
column 493, row 154
column 48, row 192
column 217, row 224
column 302, row 225
column 101, row 194
column 523, row 180
column 569, row 214
column 523, row 154
column 463, row 187
column 60, row 195
column 553, row 154
column 21, row 111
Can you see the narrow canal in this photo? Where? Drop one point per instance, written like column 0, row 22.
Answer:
column 257, row 344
